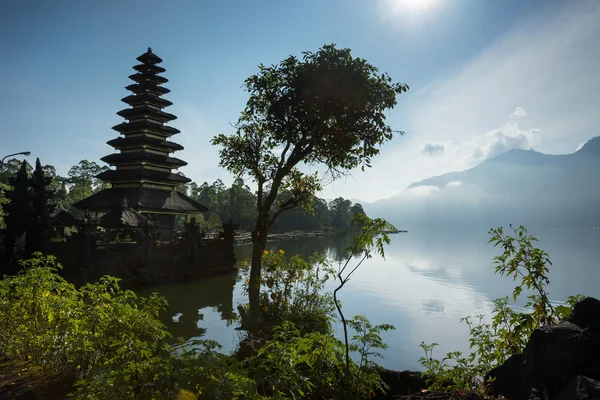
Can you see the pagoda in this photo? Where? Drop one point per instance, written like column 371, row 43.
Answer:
column 143, row 166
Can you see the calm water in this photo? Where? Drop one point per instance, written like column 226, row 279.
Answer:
column 426, row 283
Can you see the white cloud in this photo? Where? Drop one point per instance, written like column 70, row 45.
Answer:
column 454, row 184
column 518, row 113
column 432, row 149
column 422, row 190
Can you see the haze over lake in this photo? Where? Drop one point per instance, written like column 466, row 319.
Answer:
column 427, row 282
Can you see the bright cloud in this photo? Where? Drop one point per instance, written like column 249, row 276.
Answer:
column 454, row 184
column 422, row 190
column 432, row 149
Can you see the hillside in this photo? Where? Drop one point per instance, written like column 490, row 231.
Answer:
column 518, row 187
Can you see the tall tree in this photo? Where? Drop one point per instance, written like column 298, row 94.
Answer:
column 325, row 109
column 38, row 230
column 83, row 179
column 18, row 209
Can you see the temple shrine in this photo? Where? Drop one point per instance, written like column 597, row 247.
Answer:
column 143, row 173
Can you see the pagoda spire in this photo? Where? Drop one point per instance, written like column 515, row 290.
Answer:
column 144, row 169
column 144, row 158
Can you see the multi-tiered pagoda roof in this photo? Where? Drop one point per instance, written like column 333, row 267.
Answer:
column 143, row 166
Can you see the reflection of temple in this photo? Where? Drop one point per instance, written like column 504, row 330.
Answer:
column 143, row 173
column 187, row 299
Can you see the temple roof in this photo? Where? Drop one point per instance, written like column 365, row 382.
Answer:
column 141, row 174
column 122, row 217
column 149, row 57
column 145, row 111
column 140, row 126
column 135, row 141
column 155, row 69
column 139, row 156
column 142, row 200
column 147, row 76
column 146, row 87
column 146, row 97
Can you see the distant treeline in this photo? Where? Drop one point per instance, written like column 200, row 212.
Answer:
column 236, row 203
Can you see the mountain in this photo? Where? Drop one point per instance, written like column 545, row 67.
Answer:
column 519, row 187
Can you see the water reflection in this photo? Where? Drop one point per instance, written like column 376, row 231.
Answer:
column 426, row 283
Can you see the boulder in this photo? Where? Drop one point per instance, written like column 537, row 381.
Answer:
column 400, row 383
column 586, row 314
column 580, row 388
column 560, row 361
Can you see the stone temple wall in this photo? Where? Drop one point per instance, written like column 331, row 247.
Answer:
column 145, row 262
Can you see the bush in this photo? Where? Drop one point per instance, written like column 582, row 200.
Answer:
column 108, row 340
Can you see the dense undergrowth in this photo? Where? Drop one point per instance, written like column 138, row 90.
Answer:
column 109, row 343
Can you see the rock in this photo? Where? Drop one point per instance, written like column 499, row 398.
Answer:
column 511, row 379
column 555, row 353
column 586, row 314
column 400, row 383
column 580, row 388
column 560, row 361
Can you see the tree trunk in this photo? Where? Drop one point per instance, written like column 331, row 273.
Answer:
column 259, row 243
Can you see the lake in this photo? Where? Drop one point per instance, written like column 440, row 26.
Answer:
column 425, row 284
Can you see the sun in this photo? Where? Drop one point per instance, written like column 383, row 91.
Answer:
column 415, row 5
column 409, row 6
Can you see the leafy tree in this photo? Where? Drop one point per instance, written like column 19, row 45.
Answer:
column 39, row 226
column 326, row 109
column 18, row 209
column 11, row 168
column 83, row 179
column 3, row 200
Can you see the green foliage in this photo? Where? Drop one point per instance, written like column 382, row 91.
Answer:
column 297, row 365
column 107, row 339
column 83, row 181
column 212, row 375
column 508, row 331
column 367, row 339
column 293, row 291
column 3, row 200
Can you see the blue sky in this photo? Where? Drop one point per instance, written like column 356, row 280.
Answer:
column 485, row 75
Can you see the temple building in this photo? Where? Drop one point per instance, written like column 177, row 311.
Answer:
column 143, row 173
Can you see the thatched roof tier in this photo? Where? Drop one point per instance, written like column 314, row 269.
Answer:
column 64, row 218
column 146, row 98
column 148, row 77
column 142, row 200
column 137, row 141
column 146, row 111
column 147, row 87
column 122, row 217
column 154, row 69
column 149, row 58
column 126, row 128
column 141, row 174
column 140, row 156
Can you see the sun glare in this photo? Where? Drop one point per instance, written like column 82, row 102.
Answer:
column 409, row 6
column 415, row 5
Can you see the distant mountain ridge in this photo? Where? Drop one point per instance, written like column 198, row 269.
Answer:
column 518, row 186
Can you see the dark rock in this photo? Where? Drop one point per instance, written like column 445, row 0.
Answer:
column 555, row 353
column 511, row 379
column 586, row 314
column 580, row 388
column 400, row 383
column 560, row 361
